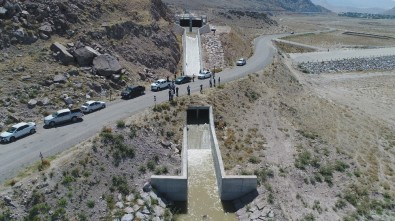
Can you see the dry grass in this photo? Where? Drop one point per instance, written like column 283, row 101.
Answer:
column 289, row 48
column 337, row 39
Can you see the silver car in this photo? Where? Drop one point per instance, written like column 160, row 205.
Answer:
column 17, row 131
column 241, row 62
column 91, row 106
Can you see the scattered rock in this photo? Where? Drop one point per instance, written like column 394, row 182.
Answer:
column 106, row 65
column 60, row 78
column 43, row 102
column 62, row 54
column 129, row 210
column 32, row 103
column 26, row 78
column 8, row 201
column 147, row 187
column 270, row 214
column 68, row 100
column 85, row 56
column 119, row 205
column 127, row 217
column 166, row 143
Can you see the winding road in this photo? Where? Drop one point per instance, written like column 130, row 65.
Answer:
column 16, row 156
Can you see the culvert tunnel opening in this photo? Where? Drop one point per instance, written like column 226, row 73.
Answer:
column 197, row 115
column 195, row 23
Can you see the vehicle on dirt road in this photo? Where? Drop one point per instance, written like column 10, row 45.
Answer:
column 132, row 91
column 18, row 130
column 159, row 85
column 183, row 79
column 90, row 106
column 241, row 62
column 62, row 116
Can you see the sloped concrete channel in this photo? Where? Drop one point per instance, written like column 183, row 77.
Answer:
column 203, row 184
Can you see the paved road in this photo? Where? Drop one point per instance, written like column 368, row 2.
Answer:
column 16, row 156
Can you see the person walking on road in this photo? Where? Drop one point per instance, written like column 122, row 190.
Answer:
column 177, row 91
column 211, row 83
column 193, row 78
column 219, row 81
column 169, row 94
column 201, row 88
column 189, row 90
column 214, row 82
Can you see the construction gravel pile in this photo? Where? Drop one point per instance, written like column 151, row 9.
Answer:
column 384, row 63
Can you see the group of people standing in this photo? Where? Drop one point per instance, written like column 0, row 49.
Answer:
column 173, row 90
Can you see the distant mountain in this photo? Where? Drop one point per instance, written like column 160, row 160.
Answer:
column 252, row 5
column 390, row 12
column 384, row 4
column 337, row 8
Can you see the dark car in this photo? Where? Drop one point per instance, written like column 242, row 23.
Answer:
column 132, row 91
column 183, row 80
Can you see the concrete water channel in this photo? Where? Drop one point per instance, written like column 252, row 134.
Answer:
column 203, row 186
column 203, row 201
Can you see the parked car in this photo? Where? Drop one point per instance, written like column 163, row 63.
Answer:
column 18, row 130
column 204, row 74
column 183, row 79
column 62, row 116
column 241, row 62
column 91, row 106
column 132, row 91
column 159, row 85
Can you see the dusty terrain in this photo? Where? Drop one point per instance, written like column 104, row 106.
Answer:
column 322, row 146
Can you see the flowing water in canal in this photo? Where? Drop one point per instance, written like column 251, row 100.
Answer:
column 203, row 198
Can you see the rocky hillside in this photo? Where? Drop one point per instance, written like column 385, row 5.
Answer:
column 52, row 50
column 390, row 12
column 254, row 5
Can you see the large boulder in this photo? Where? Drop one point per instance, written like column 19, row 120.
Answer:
column 106, row 65
column 85, row 56
column 62, row 54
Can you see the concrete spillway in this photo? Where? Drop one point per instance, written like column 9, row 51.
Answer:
column 203, row 183
column 203, row 202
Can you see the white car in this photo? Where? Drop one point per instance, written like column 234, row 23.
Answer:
column 159, row 85
column 241, row 62
column 91, row 106
column 17, row 131
column 204, row 74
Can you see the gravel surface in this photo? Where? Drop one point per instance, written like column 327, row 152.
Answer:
column 349, row 65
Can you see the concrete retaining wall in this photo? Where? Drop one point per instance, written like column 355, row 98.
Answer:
column 229, row 187
column 205, row 29
column 175, row 187
column 178, row 29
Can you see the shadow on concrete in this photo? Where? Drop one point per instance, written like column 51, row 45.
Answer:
column 198, row 115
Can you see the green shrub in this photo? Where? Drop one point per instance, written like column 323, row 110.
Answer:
column 121, row 184
column 67, row 180
column 151, row 165
column 90, row 204
column 254, row 160
column 340, row 203
column 309, row 217
column 62, row 203
column 341, row 166
column 263, row 174
column 121, row 124
column 303, row 159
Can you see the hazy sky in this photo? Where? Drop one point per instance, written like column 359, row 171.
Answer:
column 363, row 3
